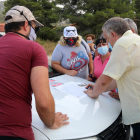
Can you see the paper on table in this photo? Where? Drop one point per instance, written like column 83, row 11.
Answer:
column 70, row 114
column 72, row 89
column 71, row 106
column 54, row 83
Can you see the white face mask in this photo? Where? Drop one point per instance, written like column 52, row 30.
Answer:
column 32, row 35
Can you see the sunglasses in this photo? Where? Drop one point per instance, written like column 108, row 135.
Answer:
column 36, row 28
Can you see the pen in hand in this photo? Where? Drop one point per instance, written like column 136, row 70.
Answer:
column 89, row 87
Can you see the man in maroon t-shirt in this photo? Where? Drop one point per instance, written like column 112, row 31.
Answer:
column 23, row 69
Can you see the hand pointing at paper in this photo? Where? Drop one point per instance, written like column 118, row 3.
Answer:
column 89, row 86
column 89, row 90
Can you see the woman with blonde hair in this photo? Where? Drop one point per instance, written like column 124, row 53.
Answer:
column 72, row 55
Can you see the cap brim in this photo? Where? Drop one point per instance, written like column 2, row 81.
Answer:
column 38, row 23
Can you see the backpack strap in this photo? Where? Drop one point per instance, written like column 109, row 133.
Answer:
column 84, row 45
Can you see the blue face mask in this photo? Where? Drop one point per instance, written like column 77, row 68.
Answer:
column 103, row 50
column 110, row 46
column 89, row 42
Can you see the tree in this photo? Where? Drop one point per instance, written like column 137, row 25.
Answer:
column 137, row 10
column 90, row 15
column 1, row 9
column 43, row 10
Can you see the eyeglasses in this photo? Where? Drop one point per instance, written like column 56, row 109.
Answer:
column 33, row 23
column 36, row 27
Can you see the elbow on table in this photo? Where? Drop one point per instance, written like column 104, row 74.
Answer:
column 95, row 96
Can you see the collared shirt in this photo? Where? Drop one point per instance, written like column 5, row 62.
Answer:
column 99, row 66
column 124, row 67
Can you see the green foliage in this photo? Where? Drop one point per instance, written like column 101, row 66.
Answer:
column 48, row 33
column 1, row 18
column 1, row 9
column 137, row 10
column 90, row 15
column 48, row 45
column 43, row 10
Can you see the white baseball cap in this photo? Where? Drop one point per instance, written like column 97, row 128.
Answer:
column 70, row 31
column 19, row 14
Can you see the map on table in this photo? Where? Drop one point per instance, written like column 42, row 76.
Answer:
column 54, row 83
column 75, row 89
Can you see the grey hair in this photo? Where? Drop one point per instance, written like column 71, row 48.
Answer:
column 132, row 24
column 102, row 36
column 117, row 25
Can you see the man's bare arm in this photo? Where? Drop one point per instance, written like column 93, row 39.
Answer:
column 112, row 85
column 44, row 101
column 100, row 86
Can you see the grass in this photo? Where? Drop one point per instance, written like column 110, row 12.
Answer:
column 48, row 45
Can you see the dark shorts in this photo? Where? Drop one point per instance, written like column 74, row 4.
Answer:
column 11, row 138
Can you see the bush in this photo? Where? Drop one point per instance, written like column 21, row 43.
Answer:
column 48, row 33
column 47, row 45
